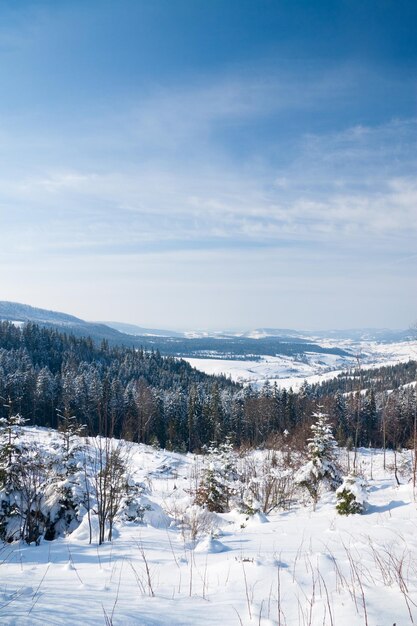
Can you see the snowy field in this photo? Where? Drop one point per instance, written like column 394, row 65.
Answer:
column 313, row 367
column 297, row 567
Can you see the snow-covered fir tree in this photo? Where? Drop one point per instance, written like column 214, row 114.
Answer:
column 322, row 470
column 40, row 488
column 218, row 483
column 352, row 495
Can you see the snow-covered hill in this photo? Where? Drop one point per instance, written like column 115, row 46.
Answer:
column 183, row 566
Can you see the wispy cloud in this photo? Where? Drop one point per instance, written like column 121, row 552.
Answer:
column 204, row 182
column 153, row 204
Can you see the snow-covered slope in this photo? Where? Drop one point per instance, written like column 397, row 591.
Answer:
column 292, row 567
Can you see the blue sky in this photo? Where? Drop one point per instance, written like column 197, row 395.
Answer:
column 210, row 164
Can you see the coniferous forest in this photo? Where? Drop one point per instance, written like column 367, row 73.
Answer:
column 47, row 376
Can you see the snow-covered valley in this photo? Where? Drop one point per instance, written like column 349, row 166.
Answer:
column 183, row 565
column 292, row 371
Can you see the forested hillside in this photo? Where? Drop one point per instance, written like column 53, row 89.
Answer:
column 132, row 393
column 142, row 396
column 385, row 378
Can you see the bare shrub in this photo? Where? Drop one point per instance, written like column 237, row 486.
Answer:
column 267, row 482
column 193, row 520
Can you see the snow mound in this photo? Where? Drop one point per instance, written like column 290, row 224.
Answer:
column 209, row 545
column 257, row 518
column 82, row 533
column 156, row 516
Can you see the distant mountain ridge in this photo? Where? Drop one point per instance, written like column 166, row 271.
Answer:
column 223, row 345
column 140, row 331
column 17, row 312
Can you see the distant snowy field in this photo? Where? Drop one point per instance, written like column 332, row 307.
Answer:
column 294, row 568
column 313, row 367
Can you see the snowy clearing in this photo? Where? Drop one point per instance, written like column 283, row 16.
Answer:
column 293, row 567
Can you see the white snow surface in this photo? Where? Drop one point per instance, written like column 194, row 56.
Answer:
column 302, row 567
column 292, row 371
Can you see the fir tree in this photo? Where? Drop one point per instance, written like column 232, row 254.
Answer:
column 217, row 484
column 322, row 469
column 351, row 495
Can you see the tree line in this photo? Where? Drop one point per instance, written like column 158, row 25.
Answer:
column 47, row 376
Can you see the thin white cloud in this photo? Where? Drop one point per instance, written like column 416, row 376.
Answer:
column 87, row 208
